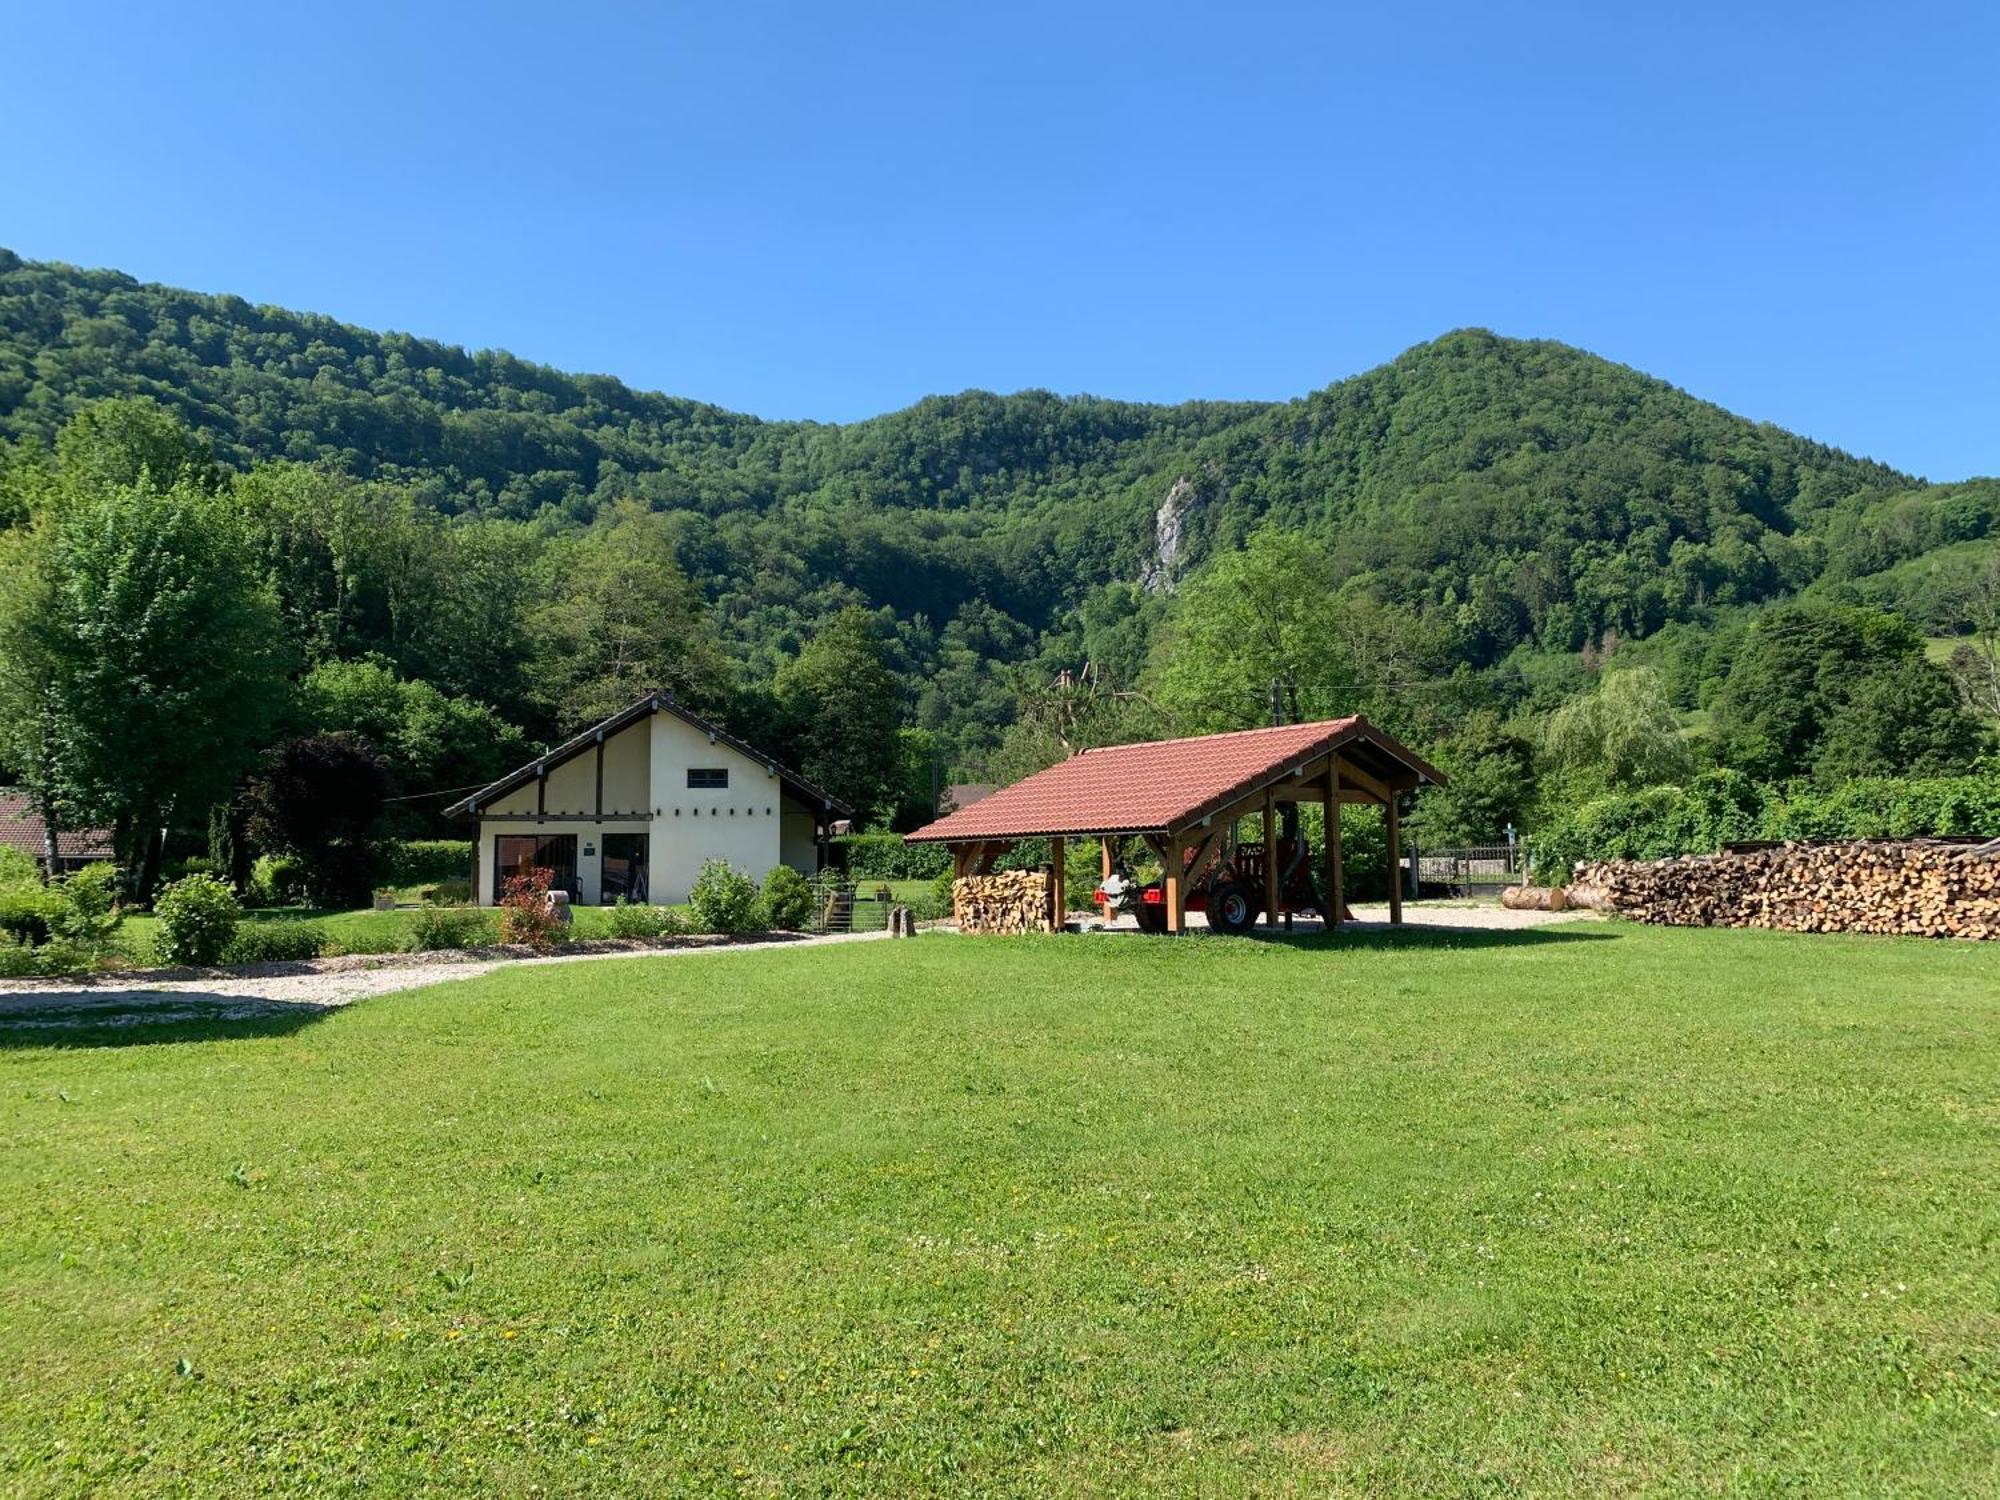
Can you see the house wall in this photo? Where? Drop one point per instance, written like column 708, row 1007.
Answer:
column 690, row 826
column 752, row 823
column 797, row 846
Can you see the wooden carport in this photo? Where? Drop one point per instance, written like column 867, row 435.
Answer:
column 1183, row 796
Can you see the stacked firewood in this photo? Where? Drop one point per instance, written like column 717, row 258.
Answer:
column 1013, row 901
column 1915, row 888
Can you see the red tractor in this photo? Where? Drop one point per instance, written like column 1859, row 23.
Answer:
column 1230, row 890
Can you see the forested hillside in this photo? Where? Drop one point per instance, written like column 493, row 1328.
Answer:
column 1484, row 524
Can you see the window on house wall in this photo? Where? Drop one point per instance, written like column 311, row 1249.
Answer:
column 518, row 853
column 713, row 779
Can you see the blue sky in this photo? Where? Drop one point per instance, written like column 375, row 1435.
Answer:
column 819, row 211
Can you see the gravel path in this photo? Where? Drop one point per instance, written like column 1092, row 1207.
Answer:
column 302, row 990
column 113, row 1000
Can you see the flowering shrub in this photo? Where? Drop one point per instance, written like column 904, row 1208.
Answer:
column 525, row 916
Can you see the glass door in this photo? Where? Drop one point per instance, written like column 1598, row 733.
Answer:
column 624, row 868
column 518, row 853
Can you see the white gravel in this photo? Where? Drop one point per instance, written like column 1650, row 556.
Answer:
column 38, row 1005
column 110, row 1000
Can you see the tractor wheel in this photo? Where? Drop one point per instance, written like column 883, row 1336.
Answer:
column 1230, row 909
column 1152, row 916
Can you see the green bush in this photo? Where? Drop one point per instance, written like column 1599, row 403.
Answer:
column 17, row 959
column 788, row 900
column 884, row 856
column 1726, row 807
column 28, row 913
column 417, row 861
column 1881, row 807
column 276, row 942
column 198, row 864
column 635, row 919
column 198, row 916
column 276, row 880
column 17, row 868
column 90, row 904
column 934, row 901
column 447, row 893
column 725, row 900
column 436, row 928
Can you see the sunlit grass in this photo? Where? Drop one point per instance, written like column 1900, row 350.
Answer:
column 1583, row 1211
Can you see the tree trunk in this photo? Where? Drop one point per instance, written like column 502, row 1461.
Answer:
column 51, row 838
column 148, row 872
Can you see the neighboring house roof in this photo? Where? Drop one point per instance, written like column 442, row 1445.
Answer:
column 962, row 794
column 21, row 828
column 1167, row 784
column 645, row 708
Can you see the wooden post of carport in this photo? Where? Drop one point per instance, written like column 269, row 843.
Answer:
column 1389, row 815
column 1058, row 894
column 1270, row 859
column 1330, row 880
column 1173, row 883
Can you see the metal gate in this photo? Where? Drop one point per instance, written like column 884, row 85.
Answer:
column 844, row 905
column 1473, row 869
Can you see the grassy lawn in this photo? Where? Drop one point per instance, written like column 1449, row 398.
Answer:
column 1591, row 1210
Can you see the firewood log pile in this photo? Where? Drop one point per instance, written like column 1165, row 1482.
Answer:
column 1915, row 888
column 1012, row 901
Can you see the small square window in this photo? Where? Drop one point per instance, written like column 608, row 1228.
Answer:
column 715, row 779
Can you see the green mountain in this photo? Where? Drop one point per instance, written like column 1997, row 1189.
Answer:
column 1521, row 495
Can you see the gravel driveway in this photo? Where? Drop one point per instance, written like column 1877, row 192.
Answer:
column 278, row 991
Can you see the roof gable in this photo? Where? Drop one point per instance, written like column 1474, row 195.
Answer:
column 624, row 719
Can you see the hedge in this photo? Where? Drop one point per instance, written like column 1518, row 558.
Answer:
column 884, row 856
column 426, row 861
column 1724, row 807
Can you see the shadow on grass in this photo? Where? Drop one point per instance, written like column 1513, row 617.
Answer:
column 78, row 1018
column 1454, row 939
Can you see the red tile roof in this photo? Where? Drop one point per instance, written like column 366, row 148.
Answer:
column 21, row 828
column 1163, row 783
